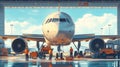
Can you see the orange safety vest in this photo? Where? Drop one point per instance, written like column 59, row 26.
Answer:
column 71, row 49
column 33, row 54
column 50, row 51
column 26, row 51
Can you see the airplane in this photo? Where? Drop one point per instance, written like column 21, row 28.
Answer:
column 58, row 30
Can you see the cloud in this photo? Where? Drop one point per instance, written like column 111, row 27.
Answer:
column 33, row 29
column 90, row 23
column 19, row 28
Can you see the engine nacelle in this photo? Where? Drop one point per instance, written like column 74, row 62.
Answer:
column 96, row 44
column 19, row 45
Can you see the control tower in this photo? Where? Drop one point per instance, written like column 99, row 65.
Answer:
column 54, row 3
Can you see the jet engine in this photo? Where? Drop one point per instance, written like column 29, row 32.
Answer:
column 96, row 44
column 19, row 45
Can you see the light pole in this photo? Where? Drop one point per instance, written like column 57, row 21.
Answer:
column 109, row 25
column 11, row 28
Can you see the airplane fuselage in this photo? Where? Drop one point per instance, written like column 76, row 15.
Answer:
column 58, row 29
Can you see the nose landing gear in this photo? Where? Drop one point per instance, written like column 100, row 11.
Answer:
column 59, row 55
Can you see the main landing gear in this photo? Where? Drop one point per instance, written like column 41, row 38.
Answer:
column 78, row 53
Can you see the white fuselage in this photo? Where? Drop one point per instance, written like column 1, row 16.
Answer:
column 58, row 29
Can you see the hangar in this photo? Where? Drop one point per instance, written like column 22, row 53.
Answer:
column 54, row 3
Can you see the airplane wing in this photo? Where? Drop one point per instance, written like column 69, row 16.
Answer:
column 9, row 36
column 108, row 36
column 32, row 37
column 40, row 37
column 81, row 37
column 86, row 37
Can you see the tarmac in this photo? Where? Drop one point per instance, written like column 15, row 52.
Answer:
column 19, row 61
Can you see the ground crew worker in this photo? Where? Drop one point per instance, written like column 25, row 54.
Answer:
column 50, row 54
column 26, row 51
column 71, row 52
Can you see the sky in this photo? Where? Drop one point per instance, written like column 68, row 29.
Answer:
column 87, row 20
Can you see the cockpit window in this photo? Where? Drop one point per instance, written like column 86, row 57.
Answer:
column 67, row 20
column 57, row 20
column 50, row 20
column 62, row 20
column 47, row 21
